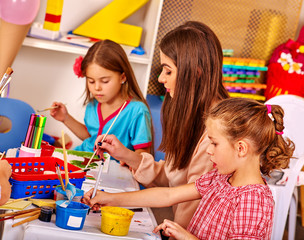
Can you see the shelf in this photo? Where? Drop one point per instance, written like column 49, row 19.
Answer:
column 69, row 48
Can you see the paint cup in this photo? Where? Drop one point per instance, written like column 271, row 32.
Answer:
column 59, row 194
column 72, row 217
column 29, row 152
column 46, row 213
column 116, row 220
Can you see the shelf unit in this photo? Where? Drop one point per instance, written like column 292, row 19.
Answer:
column 43, row 69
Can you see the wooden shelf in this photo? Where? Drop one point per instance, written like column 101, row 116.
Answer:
column 74, row 49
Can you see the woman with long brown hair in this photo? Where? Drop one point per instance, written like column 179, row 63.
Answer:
column 191, row 60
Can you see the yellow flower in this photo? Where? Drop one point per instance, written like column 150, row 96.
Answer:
column 286, row 67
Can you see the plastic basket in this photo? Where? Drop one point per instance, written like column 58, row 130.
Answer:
column 33, row 168
column 40, row 188
column 28, row 176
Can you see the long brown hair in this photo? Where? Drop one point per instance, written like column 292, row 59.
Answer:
column 246, row 118
column 197, row 54
column 110, row 55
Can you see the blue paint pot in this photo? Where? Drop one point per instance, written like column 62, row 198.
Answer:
column 72, row 217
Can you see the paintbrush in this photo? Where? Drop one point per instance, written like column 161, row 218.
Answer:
column 46, row 109
column 59, row 176
column 5, row 84
column 104, row 137
column 20, row 199
column 11, row 215
column 36, row 216
column 2, row 155
column 6, row 75
column 50, row 108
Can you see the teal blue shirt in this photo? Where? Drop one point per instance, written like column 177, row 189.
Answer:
column 132, row 127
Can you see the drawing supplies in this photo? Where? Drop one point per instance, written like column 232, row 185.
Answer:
column 35, row 131
column 104, row 137
column 65, row 157
column 97, row 180
column 5, row 84
column 19, row 212
column 40, row 130
column 29, row 130
column 70, row 189
column 47, row 109
column 19, row 199
column 32, row 131
column 6, row 76
column 27, row 220
column 59, row 176
column 2, row 155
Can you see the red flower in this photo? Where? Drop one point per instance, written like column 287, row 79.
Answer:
column 77, row 67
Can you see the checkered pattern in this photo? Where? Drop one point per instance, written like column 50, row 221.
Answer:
column 227, row 212
column 253, row 29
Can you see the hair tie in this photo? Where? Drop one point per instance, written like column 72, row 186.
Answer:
column 272, row 118
column 269, row 112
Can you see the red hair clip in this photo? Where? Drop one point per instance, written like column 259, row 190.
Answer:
column 77, row 67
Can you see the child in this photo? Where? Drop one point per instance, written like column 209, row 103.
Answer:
column 110, row 82
column 236, row 202
column 5, row 187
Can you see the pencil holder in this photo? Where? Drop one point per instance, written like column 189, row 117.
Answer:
column 29, row 152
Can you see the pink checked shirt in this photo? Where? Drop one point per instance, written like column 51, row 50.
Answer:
column 227, row 212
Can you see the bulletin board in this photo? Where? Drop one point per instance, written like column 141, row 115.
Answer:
column 253, row 29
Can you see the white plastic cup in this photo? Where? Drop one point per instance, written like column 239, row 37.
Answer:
column 29, row 152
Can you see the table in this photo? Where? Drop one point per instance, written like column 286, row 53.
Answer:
column 117, row 179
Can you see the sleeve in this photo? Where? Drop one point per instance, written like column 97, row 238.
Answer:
column 252, row 218
column 151, row 173
column 140, row 132
column 200, row 164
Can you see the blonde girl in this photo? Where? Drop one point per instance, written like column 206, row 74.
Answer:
column 236, row 203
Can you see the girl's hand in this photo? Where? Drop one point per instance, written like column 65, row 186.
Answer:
column 96, row 202
column 112, row 146
column 172, row 229
column 5, row 169
column 60, row 113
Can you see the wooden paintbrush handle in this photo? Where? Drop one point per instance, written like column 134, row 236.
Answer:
column 19, row 212
column 27, row 220
column 27, row 214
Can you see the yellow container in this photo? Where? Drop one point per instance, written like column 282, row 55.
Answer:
column 115, row 220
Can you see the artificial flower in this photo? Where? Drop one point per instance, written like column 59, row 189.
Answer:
column 77, row 67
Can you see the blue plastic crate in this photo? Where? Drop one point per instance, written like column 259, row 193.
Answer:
column 41, row 189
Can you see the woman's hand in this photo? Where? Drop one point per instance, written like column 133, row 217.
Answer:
column 172, row 229
column 112, row 146
column 60, row 113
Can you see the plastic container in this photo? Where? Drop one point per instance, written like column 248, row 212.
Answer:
column 28, row 176
column 59, row 194
column 72, row 217
column 33, row 168
column 115, row 220
column 29, row 152
column 41, row 189
column 46, row 214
